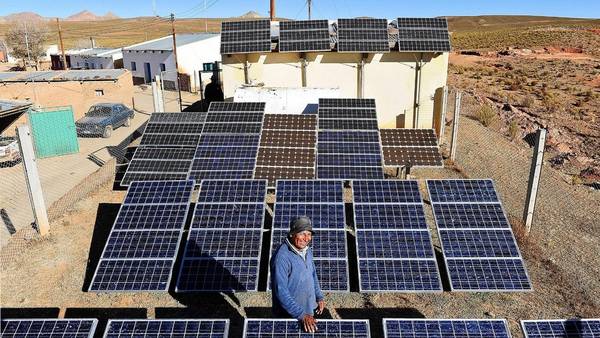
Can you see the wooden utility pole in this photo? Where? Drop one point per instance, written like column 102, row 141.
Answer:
column 272, row 13
column 62, row 47
column 176, row 63
column 309, row 3
column 534, row 178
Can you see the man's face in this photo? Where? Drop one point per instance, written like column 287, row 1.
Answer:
column 302, row 239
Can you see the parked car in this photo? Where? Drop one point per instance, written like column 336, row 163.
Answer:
column 9, row 151
column 103, row 118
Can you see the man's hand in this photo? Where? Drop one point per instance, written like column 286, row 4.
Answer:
column 321, row 307
column 309, row 323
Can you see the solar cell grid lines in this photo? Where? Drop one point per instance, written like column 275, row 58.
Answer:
column 431, row 23
column 470, row 215
column 272, row 174
column 339, row 103
column 166, row 140
column 309, row 191
column 349, row 136
column 284, row 328
column 150, row 217
column 424, row 46
column 48, row 328
column 408, row 137
column 350, row 148
column 569, row 328
column 348, row 124
column 232, row 128
column 158, row 163
column 304, row 36
column 345, row 160
column 347, row 113
column 127, row 275
column 362, row 35
column 307, row 122
column 245, row 36
column 228, row 216
column 150, row 166
column 286, row 157
column 166, row 128
column 288, row 139
column 233, row 117
column 323, row 216
column 238, row 191
column 413, row 156
column 462, row 191
column 236, row 107
column 386, row 191
column 390, row 216
column 177, row 118
column 218, row 140
column 423, row 34
column 224, row 164
column 225, row 152
column 159, row 192
column 164, row 153
column 447, row 328
column 488, row 274
column 209, row 328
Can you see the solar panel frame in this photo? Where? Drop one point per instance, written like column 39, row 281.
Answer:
column 491, row 197
column 431, row 23
column 177, row 117
column 466, row 283
column 42, row 324
column 563, row 328
column 158, row 330
column 308, row 39
column 293, row 324
column 417, row 157
column 241, row 37
column 432, row 328
column 368, row 35
column 423, row 35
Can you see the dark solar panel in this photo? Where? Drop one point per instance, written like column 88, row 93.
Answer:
column 462, row 191
column 163, row 192
column 487, row 274
column 470, row 215
column 245, row 36
column 305, row 122
column 394, row 244
column 423, row 35
column 158, row 164
column 217, row 164
column 142, row 244
column 232, row 174
column 424, row 46
column 132, row 275
column 233, row 117
column 432, row 23
column 348, row 124
column 360, row 113
column 163, row 153
column 48, row 328
column 223, row 243
column 389, row 216
column 478, row 243
column 325, row 244
column 288, row 328
column 232, row 128
column 386, row 191
column 349, row 136
column 153, row 176
column 328, row 215
column 304, row 36
column 165, row 128
column 177, row 118
column 225, row 191
column 138, row 328
column 151, row 217
column 447, row 328
column 310, row 191
column 349, row 173
column 272, row 174
column 332, row 274
column 408, row 138
column 236, row 107
column 218, row 275
column 399, row 275
column 414, row 156
column 339, row 103
column 217, row 140
column 349, row 148
column 170, row 140
column 228, row 215
column 228, row 152
column 346, row 160
column 570, row 328
column 363, row 35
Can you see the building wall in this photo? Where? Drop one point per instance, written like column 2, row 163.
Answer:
column 79, row 95
column 389, row 78
column 93, row 62
column 192, row 56
column 155, row 58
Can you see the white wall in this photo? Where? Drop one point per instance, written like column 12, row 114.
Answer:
column 285, row 100
column 94, row 62
column 155, row 58
column 192, row 56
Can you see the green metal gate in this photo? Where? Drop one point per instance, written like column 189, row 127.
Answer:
column 54, row 132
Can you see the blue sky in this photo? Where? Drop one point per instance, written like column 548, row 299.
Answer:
column 296, row 9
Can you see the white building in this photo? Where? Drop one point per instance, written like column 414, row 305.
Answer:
column 97, row 58
column 147, row 59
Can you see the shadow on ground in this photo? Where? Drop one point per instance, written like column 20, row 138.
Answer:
column 105, row 314
column 29, row 312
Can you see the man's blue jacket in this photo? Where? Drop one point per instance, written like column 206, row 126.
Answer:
column 294, row 283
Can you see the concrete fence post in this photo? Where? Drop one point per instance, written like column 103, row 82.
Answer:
column 32, row 178
column 443, row 115
column 155, row 99
column 534, row 179
column 454, row 141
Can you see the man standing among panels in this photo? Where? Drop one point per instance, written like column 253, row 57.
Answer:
column 296, row 290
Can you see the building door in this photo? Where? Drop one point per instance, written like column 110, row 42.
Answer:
column 147, row 72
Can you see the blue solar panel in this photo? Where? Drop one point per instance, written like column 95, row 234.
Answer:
column 332, row 274
column 227, row 243
column 394, row 244
column 399, row 275
column 234, row 117
column 159, row 192
column 487, row 275
column 48, row 328
column 142, row 244
column 349, row 172
column 229, row 152
column 288, row 328
column 235, row 216
column 151, row 216
column 133, row 275
column 447, row 328
column 310, row 191
column 358, row 160
column 470, row 215
column 462, row 191
column 221, row 174
column 216, row 164
column 217, row 140
column 386, row 191
column 325, row 243
column 227, row 191
column 571, row 328
column 478, row 243
column 348, row 148
column 323, row 216
column 389, row 216
column 218, row 275
column 139, row 328
column 348, row 136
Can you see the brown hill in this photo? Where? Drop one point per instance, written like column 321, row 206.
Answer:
column 86, row 15
column 22, row 16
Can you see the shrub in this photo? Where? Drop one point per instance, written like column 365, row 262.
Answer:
column 486, row 115
column 514, row 131
column 528, row 101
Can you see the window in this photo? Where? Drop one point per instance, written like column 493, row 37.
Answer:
column 99, row 92
column 101, row 66
column 133, row 67
column 163, row 67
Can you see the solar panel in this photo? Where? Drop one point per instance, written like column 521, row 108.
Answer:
column 447, row 328
column 348, row 124
column 245, row 36
column 349, row 148
column 415, row 147
column 345, row 160
column 304, row 36
column 286, row 158
column 349, row 172
column 173, row 129
column 408, row 138
column 297, row 139
column 360, row 113
column 272, row 174
column 349, row 136
column 232, row 128
column 236, row 107
column 423, row 35
column 479, row 247
column 217, row 140
column 216, row 164
column 424, row 46
column 233, row 116
column 570, row 328
column 363, row 35
column 49, row 328
column 232, row 174
column 284, row 328
column 222, row 251
column 165, row 128
column 142, row 246
column 170, row 140
column 322, row 201
column 307, row 122
column 394, row 247
column 340, row 103
column 432, row 23
column 177, row 118
column 130, row 328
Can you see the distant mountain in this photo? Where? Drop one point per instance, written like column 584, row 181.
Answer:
column 86, row 15
column 22, row 16
column 251, row 15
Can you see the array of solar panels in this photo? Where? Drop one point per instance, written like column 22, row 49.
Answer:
column 222, row 252
column 287, row 147
column 479, row 247
column 283, row 328
column 394, row 246
column 323, row 202
column 423, row 35
column 167, row 148
column 414, row 147
column 229, row 143
column 142, row 246
column 359, row 35
column 348, row 145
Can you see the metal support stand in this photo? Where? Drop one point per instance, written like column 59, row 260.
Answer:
column 534, row 179
column 454, row 142
column 32, row 178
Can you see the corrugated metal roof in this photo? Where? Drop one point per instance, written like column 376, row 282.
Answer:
column 62, row 75
column 166, row 43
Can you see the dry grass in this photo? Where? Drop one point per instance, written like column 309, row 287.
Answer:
column 486, row 115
